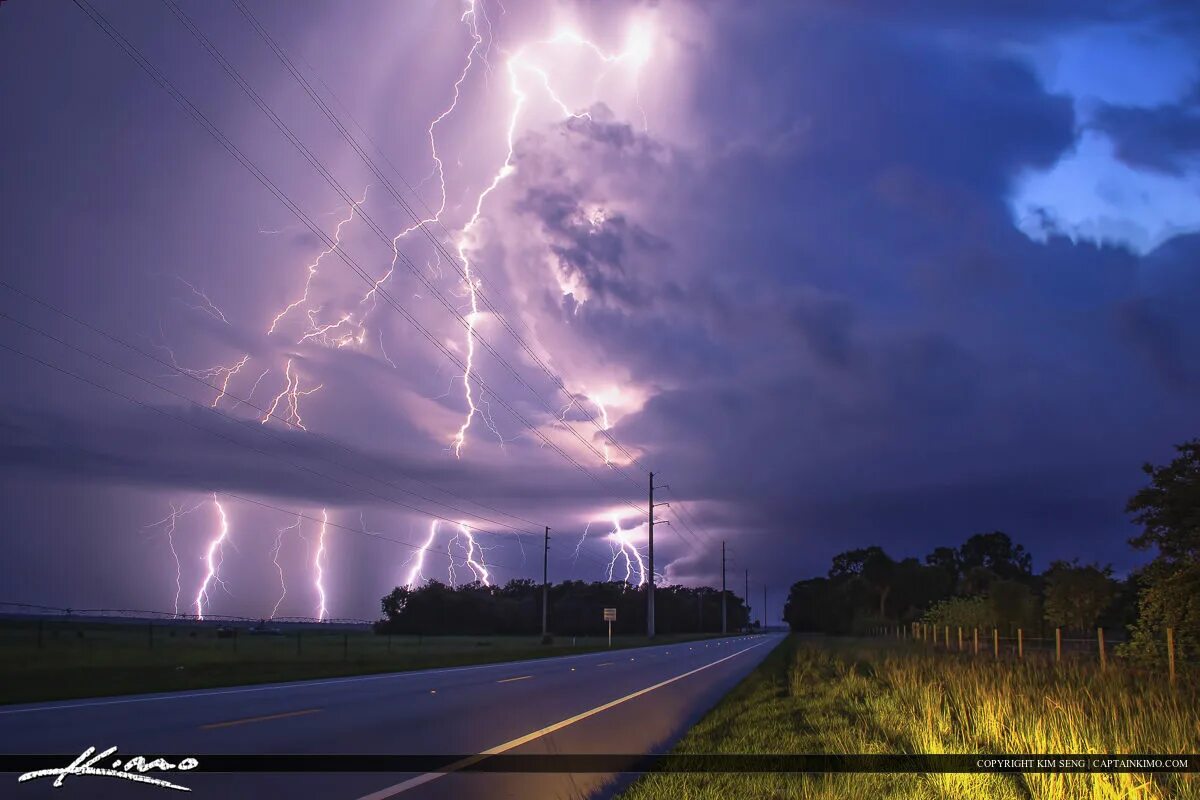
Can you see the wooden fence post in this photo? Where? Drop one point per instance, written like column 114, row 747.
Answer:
column 996, row 642
column 947, row 640
column 976, row 641
column 1171, row 654
column 1100, row 641
column 1020, row 643
column 1058, row 644
column 960, row 647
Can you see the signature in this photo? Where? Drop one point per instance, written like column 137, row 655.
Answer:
column 132, row 769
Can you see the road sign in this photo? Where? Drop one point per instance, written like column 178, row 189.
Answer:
column 610, row 615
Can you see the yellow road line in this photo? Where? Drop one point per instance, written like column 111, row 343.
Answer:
column 518, row 678
column 248, row 720
column 412, row 783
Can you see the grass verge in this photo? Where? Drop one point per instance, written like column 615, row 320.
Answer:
column 867, row 697
column 69, row 660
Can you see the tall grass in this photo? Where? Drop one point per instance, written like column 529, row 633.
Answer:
column 865, row 697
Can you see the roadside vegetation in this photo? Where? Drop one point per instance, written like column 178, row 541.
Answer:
column 877, row 696
column 72, row 659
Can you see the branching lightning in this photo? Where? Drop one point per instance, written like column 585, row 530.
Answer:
column 213, row 557
column 275, row 551
column 319, row 568
column 476, row 565
column 416, row 575
column 292, row 391
column 636, row 53
column 170, row 521
column 624, row 548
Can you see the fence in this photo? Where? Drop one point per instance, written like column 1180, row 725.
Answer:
column 989, row 642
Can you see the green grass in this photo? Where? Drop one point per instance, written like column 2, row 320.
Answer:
column 869, row 697
column 98, row 659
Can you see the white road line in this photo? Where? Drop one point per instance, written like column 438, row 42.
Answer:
column 274, row 687
column 412, row 783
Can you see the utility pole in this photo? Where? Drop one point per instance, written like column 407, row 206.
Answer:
column 724, row 619
column 747, row 596
column 650, row 585
column 546, row 585
column 650, row 553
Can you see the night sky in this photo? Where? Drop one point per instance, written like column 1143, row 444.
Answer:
column 841, row 273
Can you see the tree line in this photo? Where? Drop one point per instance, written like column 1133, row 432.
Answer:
column 988, row 580
column 576, row 609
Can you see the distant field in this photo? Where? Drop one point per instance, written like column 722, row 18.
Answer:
column 85, row 659
column 812, row 696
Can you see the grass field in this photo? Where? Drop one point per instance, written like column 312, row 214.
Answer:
column 81, row 659
column 812, row 696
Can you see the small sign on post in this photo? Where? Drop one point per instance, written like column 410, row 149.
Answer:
column 610, row 616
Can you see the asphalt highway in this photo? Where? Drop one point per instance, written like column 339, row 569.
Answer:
column 623, row 701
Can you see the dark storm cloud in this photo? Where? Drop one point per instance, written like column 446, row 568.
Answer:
column 812, row 272
column 1164, row 138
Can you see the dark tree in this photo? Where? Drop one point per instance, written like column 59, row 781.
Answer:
column 1168, row 509
column 1076, row 596
column 996, row 552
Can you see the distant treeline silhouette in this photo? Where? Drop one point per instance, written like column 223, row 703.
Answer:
column 988, row 581
column 576, row 609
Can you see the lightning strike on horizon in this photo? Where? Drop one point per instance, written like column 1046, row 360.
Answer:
column 319, row 568
column 417, row 559
column 213, row 558
column 478, row 568
column 170, row 522
column 275, row 551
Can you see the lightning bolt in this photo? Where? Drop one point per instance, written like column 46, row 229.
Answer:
column 275, row 551
column 637, row 53
column 170, row 521
column 315, row 266
column 477, row 567
column 319, row 568
column 213, row 557
column 417, row 559
column 292, row 391
column 208, row 307
column 579, row 545
column 622, row 547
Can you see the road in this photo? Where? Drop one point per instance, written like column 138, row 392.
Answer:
column 622, row 701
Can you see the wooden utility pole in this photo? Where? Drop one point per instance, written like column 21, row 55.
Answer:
column 650, row 522
column 650, row 584
column 724, row 618
column 546, row 585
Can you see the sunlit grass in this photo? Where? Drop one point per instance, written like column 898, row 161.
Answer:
column 868, row 697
